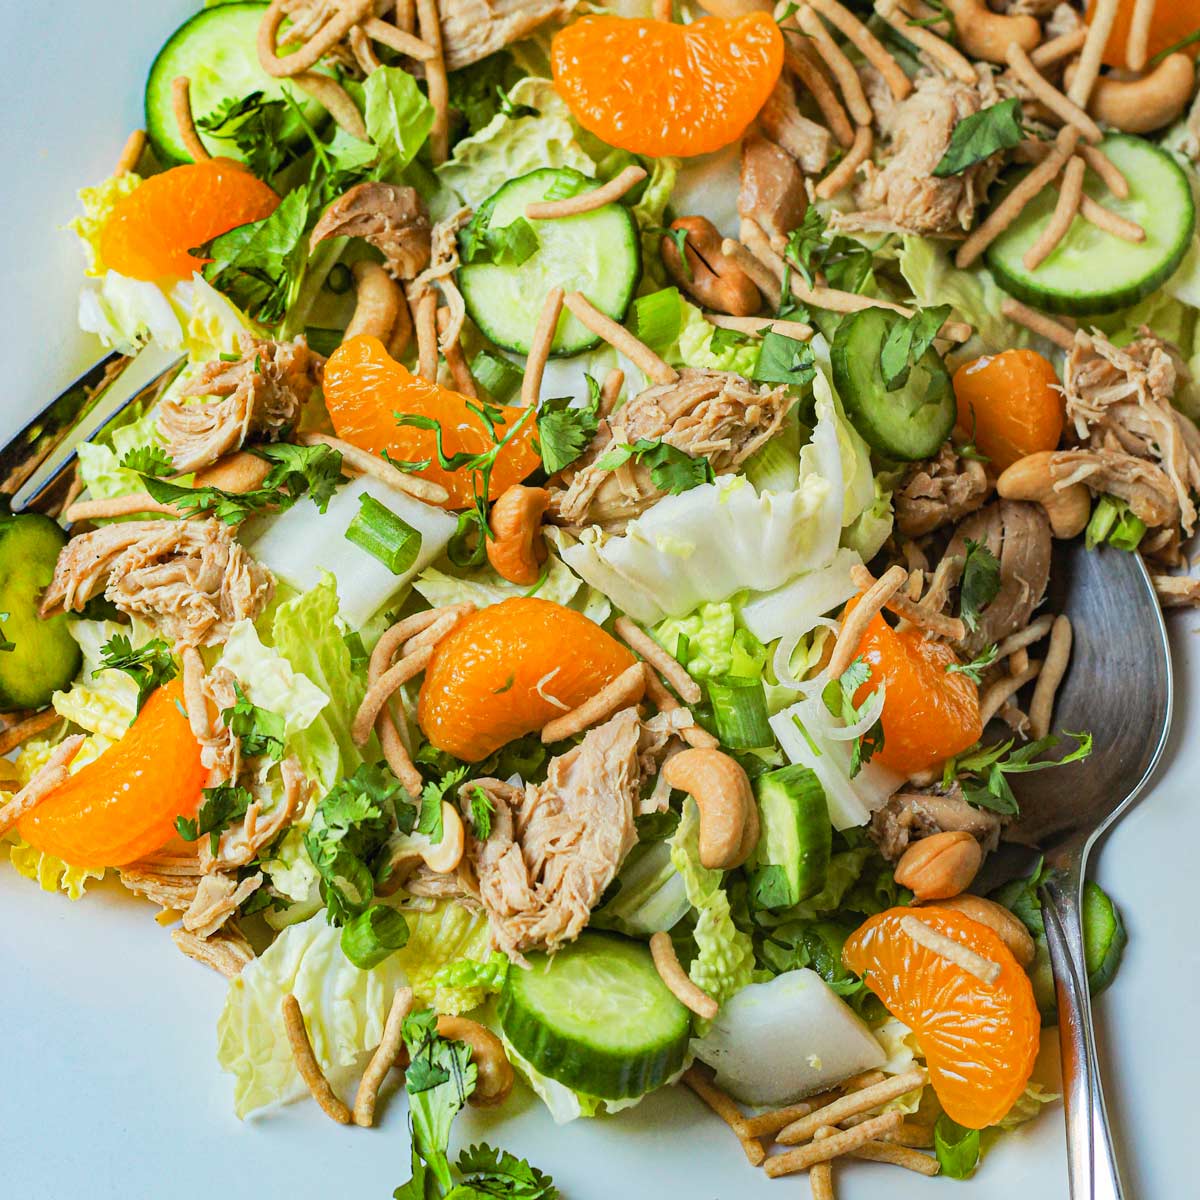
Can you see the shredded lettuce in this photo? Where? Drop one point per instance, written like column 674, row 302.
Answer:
column 720, row 538
column 344, row 1009
column 306, row 631
column 51, row 874
column 270, row 682
column 725, row 957
column 439, row 942
column 103, row 704
column 100, row 468
column 398, row 118
column 98, row 203
column 693, row 348
column 650, row 213
column 509, row 147
column 483, row 587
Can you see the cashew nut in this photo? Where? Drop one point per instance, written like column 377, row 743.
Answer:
column 240, row 471
column 710, row 276
column 494, row 1073
column 379, row 301
column 987, row 35
column 939, row 866
column 1032, row 478
column 1145, row 104
column 410, row 849
column 516, row 548
column 728, row 813
column 999, row 920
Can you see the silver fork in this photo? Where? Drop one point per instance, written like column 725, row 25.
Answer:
column 37, row 465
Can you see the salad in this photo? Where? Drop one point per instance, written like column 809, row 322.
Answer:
column 572, row 608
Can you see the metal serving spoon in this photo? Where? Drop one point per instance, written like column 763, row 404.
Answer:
column 1118, row 687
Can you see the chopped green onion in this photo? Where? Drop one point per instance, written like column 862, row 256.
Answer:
column 383, row 535
column 1182, row 44
column 739, row 708
column 1104, row 517
column 1129, row 532
column 957, row 1148
column 656, row 319
column 373, row 935
column 497, row 376
column 339, row 280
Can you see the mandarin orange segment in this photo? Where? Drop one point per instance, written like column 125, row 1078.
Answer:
column 929, row 714
column 508, row 670
column 1173, row 20
column 123, row 805
column 151, row 232
column 980, row 1040
column 1011, row 405
column 657, row 88
column 365, row 388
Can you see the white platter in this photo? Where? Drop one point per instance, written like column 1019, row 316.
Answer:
column 109, row 1085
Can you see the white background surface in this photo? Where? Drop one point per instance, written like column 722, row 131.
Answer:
column 109, row 1085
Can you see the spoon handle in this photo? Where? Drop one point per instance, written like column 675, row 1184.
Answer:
column 1090, row 1159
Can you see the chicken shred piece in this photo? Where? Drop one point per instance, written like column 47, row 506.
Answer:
column 259, row 396
column 940, row 491
column 190, row 579
column 391, row 218
column 808, row 142
column 712, row 414
column 473, row 29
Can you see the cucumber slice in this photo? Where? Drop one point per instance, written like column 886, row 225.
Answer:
column 44, row 657
column 596, row 1017
column 1091, row 271
column 908, row 424
column 596, row 253
column 793, row 850
column 215, row 49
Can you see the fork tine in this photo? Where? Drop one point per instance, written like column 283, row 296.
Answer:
column 35, row 464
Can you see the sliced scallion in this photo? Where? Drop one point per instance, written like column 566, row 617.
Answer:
column 739, row 709
column 384, row 535
column 1104, row 517
column 1128, row 533
column 497, row 376
column 373, row 935
column 656, row 319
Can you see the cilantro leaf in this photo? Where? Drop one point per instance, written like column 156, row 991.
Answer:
column 147, row 460
column 974, row 669
column 807, row 248
column 671, row 469
column 481, row 813
column 260, row 732
column 315, row 471
column 258, row 265
column 679, row 237
column 724, row 340
column 256, row 126
column 508, row 246
column 564, row 432
column 982, row 773
column 981, row 135
column 784, row 360
column 149, row 667
column 907, row 342
column 297, row 470
column 432, row 796
column 219, row 809
column 838, row 695
column 491, row 1172
column 439, row 1080
column 350, row 826
column 475, row 90
column 980, row 583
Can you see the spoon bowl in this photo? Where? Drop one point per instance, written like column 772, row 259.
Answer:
column 1119, row 688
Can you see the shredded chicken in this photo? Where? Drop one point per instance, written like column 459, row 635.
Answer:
column 1033, row 8
column 1142, row 484
column 808, row 142
column 259, row 396
column 1064, row 18
column 939, row 492
column 170, row 890
column 1018, row 534
column 771, row 190
column 913, row 814
column 391, row 218
column 1177, row 591
column 554, row 849
column 242, row 842
column 473, row 29
column 1120, row 399
column 714, row 414
column 190, row 579
column 227, row 951
column 904, row 195
column 217, row 898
